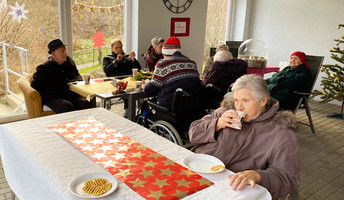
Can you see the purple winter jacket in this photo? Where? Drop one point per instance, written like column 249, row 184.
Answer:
column 267, row 144
column 223, row 74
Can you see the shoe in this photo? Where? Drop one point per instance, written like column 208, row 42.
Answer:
column 125, row 114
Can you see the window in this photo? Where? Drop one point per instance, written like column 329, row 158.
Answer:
column 94, row 24
column 26, row 27
column 216, row 24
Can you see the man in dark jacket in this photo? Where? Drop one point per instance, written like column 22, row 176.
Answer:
column 118, row 63
column 296, row 77
column 172, row 72
column 52, row 77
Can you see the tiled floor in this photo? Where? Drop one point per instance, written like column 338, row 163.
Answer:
column 322, row 155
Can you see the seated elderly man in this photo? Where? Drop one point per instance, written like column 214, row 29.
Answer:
column 52, row 77
column 296, row 77
column 264, row 151
column 210, row 60
column 172, row 72
column 224, row 71
column 118, row 63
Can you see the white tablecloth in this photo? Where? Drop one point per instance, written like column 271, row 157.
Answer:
column 39, row 164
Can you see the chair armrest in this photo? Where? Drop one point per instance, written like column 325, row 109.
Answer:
column 209, row 85
column 158, row 107
column 303, row 93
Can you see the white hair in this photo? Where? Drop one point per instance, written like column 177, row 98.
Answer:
column 222, row 56
column 156, row 40
column 222, row 47
column 255, row 83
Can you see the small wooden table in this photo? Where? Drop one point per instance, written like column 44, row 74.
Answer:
column 104, row 90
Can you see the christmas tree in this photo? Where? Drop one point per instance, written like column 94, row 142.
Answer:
column 332, row 84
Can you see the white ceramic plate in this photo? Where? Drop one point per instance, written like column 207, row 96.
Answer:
column 202, row 163
column 75, row 187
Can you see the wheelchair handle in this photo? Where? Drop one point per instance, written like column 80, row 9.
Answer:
column 182, row 91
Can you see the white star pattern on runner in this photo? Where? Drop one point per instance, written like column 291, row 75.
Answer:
column 105, row 148
column 88, row 148
column 125, row 148
column 79, row 141
column 97, row 141
column 99, row 155
column 84, row 125
column 93, row 130
column 119, row 155
column 103, row 135
column 70, row 124
column 115, row 140
column 61, row 130
column 108, row 163
column 86, row 135
column 78, row 130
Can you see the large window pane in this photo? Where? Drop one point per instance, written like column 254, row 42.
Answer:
column 216, row 24
column 89, row 17
column 25, row 26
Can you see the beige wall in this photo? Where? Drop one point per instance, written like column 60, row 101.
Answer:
column 154, row 20
column 287, row 26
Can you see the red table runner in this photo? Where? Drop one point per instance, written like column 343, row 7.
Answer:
column 148, row 173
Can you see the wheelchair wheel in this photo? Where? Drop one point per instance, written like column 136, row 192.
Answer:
column 167, row 131
column 140, row 120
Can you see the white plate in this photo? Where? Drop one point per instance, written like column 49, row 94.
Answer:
column 75, row 187
column 202, row 163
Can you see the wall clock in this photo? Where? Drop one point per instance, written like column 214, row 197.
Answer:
column 177, row 6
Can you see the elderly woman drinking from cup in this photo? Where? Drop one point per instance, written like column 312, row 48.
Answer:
column 264, row 150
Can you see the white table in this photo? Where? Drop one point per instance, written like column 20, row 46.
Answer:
column 39, row 164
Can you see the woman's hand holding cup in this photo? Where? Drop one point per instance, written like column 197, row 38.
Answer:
column 231, row 119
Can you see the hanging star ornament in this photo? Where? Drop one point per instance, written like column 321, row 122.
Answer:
column 3, row 4
column 18, row 12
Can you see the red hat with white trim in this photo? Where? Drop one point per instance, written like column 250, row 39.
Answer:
column 171, row 45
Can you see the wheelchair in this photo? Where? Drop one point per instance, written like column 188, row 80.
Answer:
column 173, row 123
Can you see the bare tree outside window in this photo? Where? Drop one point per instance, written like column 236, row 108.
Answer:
column 216, row 24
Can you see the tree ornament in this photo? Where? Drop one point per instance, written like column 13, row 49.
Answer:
column 322, row 69
column 98, row 40
column 337, row 79
column 336, row 96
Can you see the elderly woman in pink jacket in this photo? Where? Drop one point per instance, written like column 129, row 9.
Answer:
column 264, row 150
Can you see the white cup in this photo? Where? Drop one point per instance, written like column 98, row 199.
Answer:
column 138, row 86
column 87, row 78
column 134, row 71
column 240, row 120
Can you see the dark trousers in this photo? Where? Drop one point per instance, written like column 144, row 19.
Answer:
column 61, row 105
